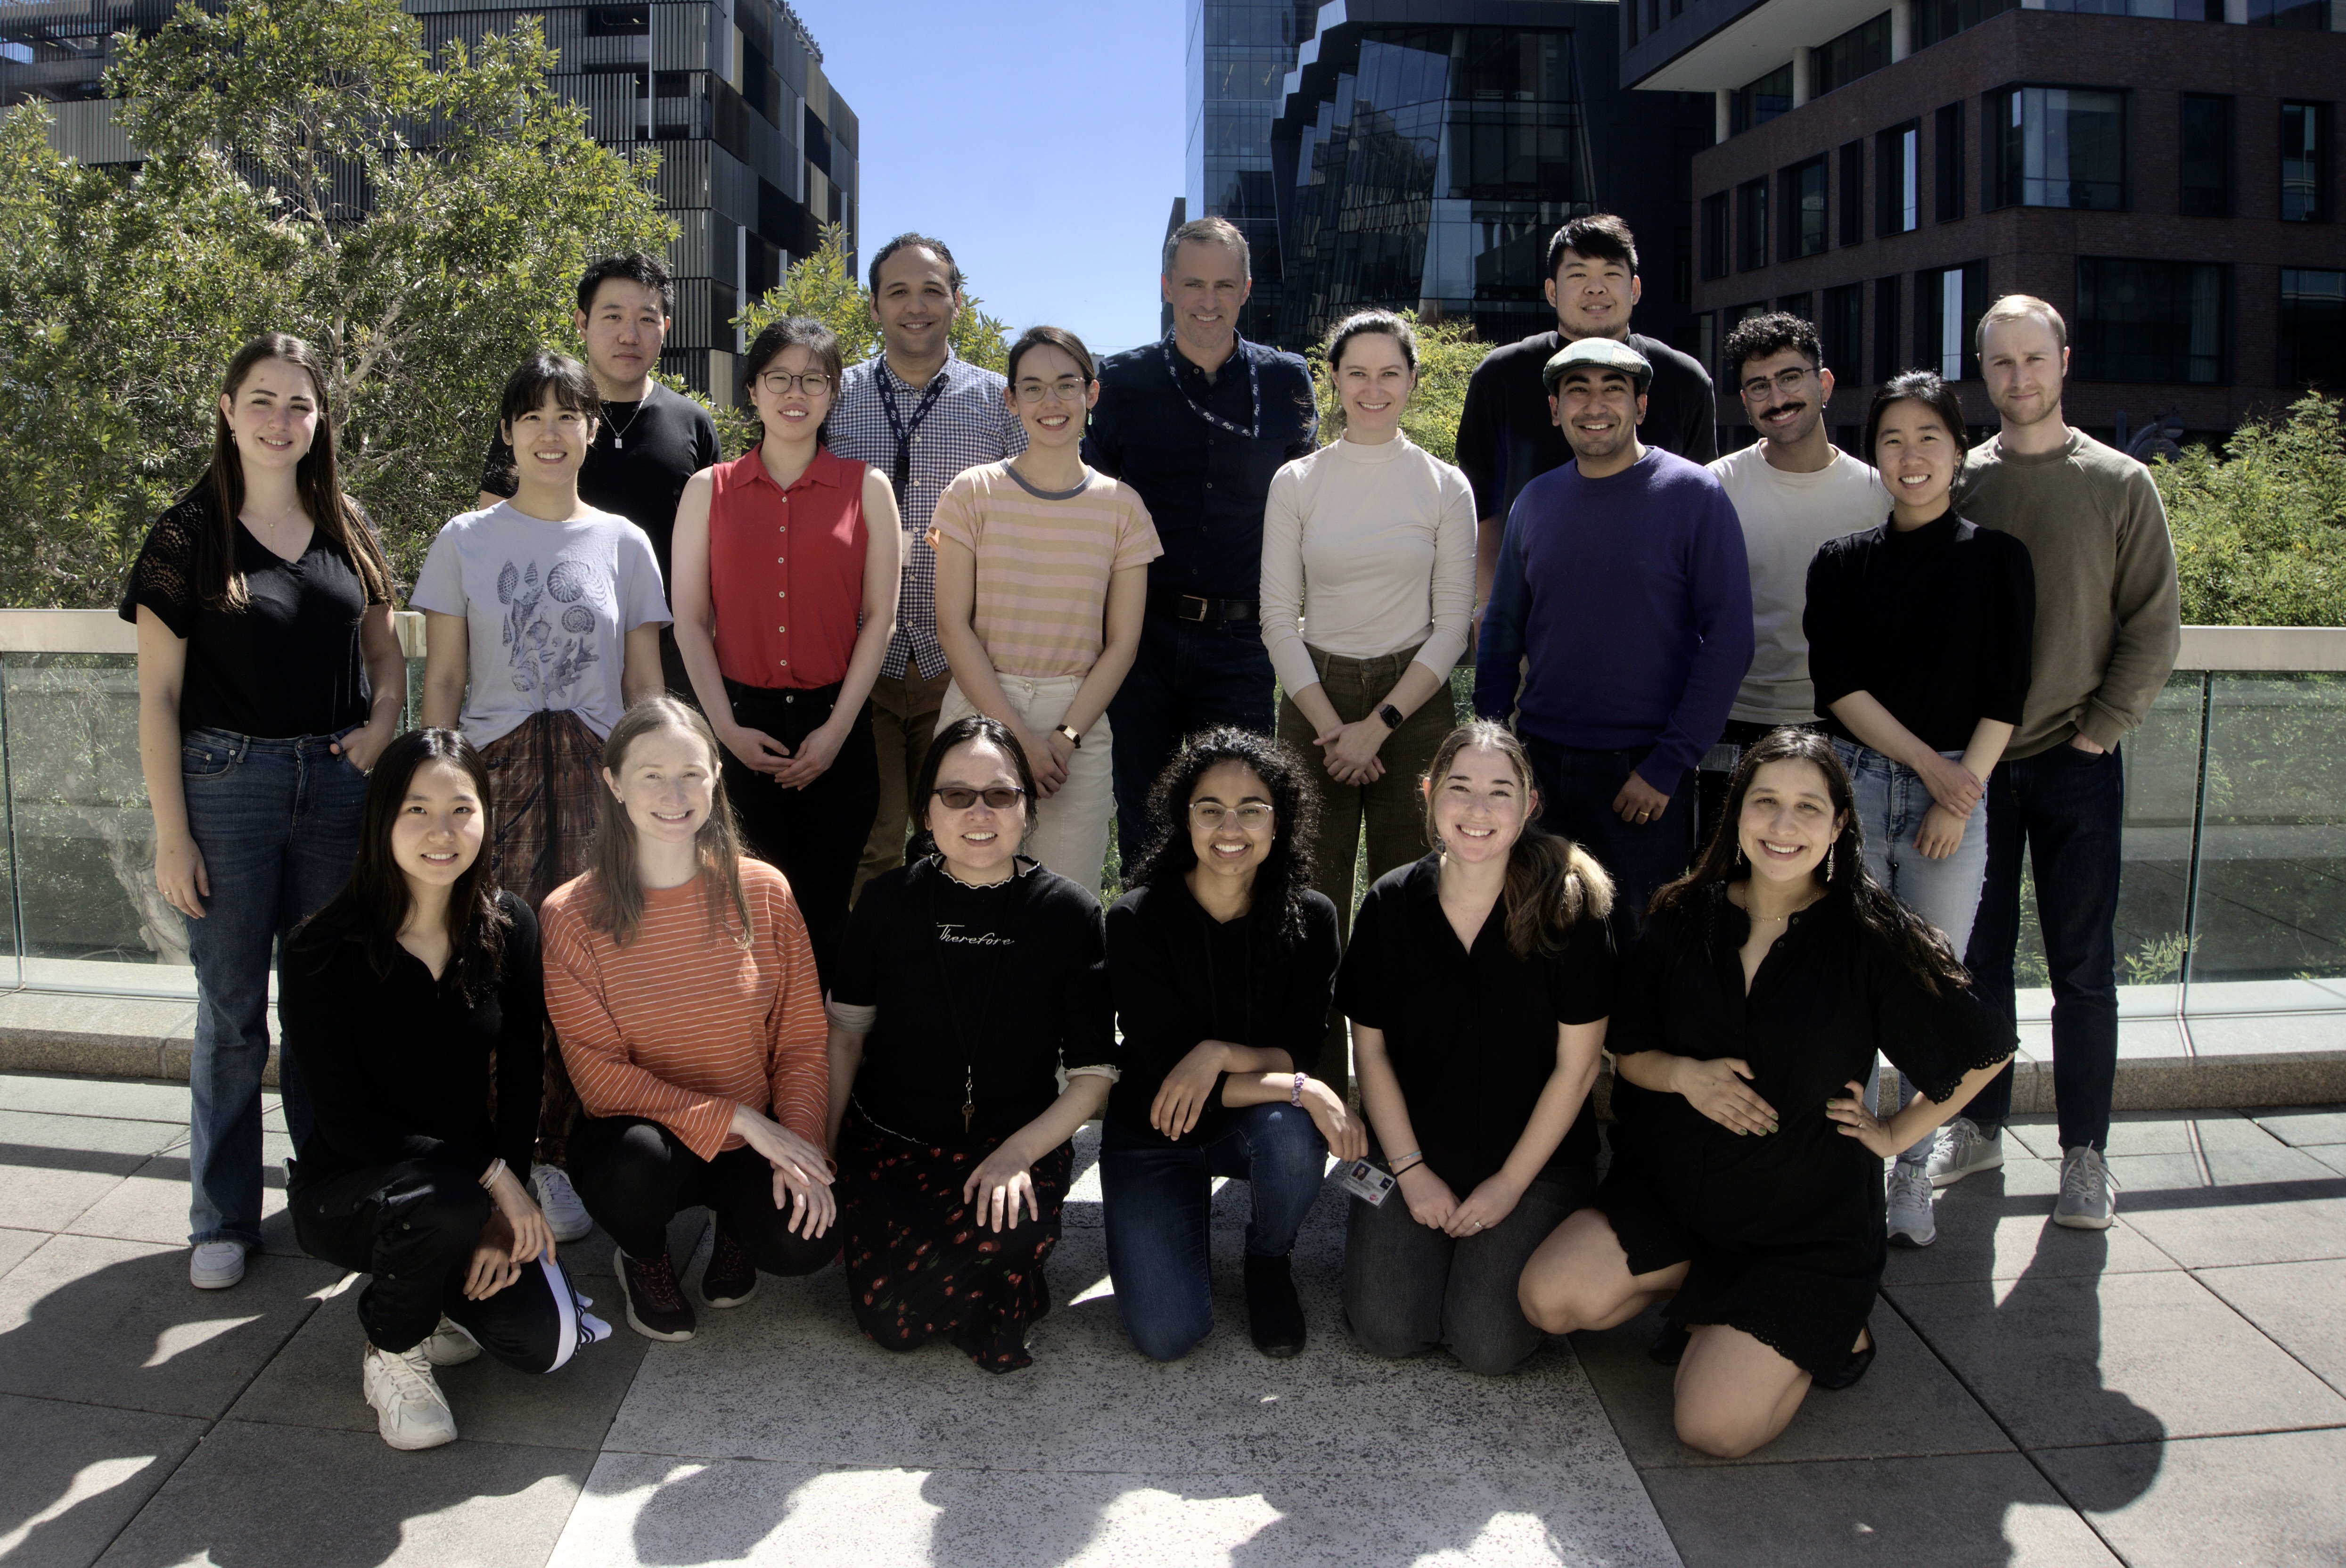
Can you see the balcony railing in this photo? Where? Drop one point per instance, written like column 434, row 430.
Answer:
column 2232, row 900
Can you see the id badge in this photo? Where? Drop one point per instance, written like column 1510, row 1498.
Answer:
column 1367, row 1183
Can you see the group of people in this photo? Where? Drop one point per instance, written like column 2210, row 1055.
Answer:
column 746, row 856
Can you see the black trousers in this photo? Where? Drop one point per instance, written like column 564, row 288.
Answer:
column 412, row 1226
column 815, row 835
column 635, row 1175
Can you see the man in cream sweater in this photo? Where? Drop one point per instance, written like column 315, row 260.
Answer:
column 2108, row 623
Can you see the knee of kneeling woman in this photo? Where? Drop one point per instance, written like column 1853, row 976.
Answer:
column 1165, row 1339
column 1715, row 1433
column 1548, row 1307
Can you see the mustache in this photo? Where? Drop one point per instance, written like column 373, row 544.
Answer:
column 1782, row 408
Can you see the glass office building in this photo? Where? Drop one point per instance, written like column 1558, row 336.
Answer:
column 1239, row 55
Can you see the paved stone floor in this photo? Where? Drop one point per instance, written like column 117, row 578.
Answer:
column 2172, row 1393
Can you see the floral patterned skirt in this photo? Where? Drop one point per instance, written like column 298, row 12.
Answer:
column 919, row 1264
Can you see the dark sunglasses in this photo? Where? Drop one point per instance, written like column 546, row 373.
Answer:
column 957, row 797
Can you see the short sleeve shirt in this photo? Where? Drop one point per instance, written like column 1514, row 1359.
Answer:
column 549, row 605
column 786, row 571
column 1044, row 561
column 1471, row 1032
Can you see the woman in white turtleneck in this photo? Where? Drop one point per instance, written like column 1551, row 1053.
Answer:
column 1368, row 591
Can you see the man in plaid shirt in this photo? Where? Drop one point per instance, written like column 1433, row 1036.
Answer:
column 919, row 415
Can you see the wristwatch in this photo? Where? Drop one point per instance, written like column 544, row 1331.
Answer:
column 1392, row 716
column 1074, row 736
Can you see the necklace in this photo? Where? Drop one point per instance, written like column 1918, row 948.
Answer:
column 945, row 985
column 619, row 430
column 1254, row 388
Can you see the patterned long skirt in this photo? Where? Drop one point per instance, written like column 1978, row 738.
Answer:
column 918, row 1262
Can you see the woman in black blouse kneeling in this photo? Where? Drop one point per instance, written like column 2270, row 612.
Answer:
column 1221, row 959
column 967, row 980
column 396, row 1000
column 1477, row 983
column 1746, row 1186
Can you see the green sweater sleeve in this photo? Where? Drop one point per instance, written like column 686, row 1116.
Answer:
column 2148, row 613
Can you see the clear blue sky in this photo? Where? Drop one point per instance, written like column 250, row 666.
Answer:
column 1040, row 138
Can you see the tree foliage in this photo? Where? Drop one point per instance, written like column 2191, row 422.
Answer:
column 2261, row 532
column 310, row 168
column 1448, row 353
column 823, row 286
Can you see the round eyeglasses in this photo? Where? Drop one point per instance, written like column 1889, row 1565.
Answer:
column 1254, row 817
column 813, row 383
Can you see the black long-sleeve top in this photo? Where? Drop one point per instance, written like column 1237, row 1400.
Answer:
column 1180, row 976
column 1936, row 622
column 398, row 1064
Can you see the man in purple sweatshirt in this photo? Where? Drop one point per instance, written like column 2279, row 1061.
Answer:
column 1619, row 628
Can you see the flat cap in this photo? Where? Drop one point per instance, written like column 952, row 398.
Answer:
column 1602, row 354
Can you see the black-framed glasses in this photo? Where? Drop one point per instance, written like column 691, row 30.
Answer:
column 1067, row 390
column 1254, row 817
column 1786, row 382
column 813, row 383
column 961, row 797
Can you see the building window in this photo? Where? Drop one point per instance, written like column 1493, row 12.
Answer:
column 1801, row 305
column 1842, row 327
column 1937, row 20
column 2142, row 320
column 1757, row 103
column 2161, row 10
column 1705, row 340
column 2059, row 147
column 2207, row 155
column 2312, row 329
column 1805, row 210
column 1714, row 236
column 1947, row 305
column 1896, row 153
column 1751, row 217
column 1861, row 51
column 2308, row 14
column 1885, row 329
column 1852, row 191
column 1947, row 160
column 2305, row 163
column 618, row 21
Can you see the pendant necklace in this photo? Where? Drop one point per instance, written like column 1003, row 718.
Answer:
column 619, row 431
column 945, row 988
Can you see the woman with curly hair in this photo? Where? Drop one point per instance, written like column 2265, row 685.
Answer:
column 1221, row 959
column 1746, row 1185
column 1478, row 984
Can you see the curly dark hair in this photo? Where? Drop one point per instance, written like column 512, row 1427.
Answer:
column 1285, row 876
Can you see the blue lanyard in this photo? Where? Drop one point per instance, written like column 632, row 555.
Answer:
column 1254, row 386
column 901, row 472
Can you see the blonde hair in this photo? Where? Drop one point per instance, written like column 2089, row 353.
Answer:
column 617, row 905
column 2015, row 307
column 1553, row 884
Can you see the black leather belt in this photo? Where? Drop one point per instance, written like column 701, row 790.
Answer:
column 1190, row 607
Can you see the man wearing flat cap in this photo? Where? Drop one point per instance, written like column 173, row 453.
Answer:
column 1618, row 628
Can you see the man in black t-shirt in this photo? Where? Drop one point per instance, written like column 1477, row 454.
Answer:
column 650, row 440
column 1507, row 435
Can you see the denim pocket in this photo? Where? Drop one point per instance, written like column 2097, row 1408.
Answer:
column 206, row 759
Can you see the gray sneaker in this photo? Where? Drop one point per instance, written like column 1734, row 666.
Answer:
column 1961, row 1149
column 2087, row 1202
column 1910, row 1206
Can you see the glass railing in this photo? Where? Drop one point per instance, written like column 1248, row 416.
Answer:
column 2232, row 897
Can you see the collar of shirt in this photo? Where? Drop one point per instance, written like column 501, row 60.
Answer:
column 896, row 386
column 749, row 468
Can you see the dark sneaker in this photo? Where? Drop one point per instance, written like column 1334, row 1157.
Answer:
column 1274, row 1317
column 656, row 1305
column 728, row 1280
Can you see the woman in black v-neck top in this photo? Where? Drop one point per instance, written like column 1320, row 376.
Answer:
column 1745, row 1184
column 268, row 680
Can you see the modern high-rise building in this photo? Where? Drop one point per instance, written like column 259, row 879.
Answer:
column 756, row 149
column 2164, row 171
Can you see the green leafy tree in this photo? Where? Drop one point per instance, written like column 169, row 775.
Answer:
column 1448, row 353
column 2261, row 532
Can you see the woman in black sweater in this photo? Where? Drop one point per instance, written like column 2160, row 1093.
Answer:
column 1746, row 1185
column 1221, row 959
column 968, row 982
column 412, row 1005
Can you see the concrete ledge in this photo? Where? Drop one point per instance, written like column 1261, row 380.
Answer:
column 100, row 1037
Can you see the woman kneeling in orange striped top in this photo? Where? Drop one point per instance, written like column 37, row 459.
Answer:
column 678, row 979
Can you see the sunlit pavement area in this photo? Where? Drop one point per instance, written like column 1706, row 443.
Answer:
column 2172, row 1392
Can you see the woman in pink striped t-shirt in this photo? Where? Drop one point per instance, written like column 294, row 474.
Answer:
column 679, row 981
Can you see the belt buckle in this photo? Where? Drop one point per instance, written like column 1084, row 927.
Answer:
column 1189, row 599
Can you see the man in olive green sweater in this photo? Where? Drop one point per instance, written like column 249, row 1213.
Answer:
column 2108, row 623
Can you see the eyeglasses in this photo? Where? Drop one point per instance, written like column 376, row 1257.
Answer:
column 961, row 798
column 1254, row 817
column 1787, row 381
column 814, row 384
column 1069, row 391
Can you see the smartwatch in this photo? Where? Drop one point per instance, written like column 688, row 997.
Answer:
column 1392, row 716
column 1074, row 736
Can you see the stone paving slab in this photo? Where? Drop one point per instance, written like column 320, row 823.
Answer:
column 77, row 1474
column 59, row 1165
column 1998, row 1225
column 2302, row 1306
column 2271, row 1500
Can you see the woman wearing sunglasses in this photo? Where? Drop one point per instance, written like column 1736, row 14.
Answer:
column 786, row 576
column 970, row 978
column 1042, row 575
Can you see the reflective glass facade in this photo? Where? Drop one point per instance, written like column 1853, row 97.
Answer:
column 1239, row 55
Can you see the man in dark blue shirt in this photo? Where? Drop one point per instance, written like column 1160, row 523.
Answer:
column 1619, row 628
column 1197, row 424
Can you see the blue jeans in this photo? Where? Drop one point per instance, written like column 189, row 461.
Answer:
column 1158, row 1197
column 277, row 822
column 2066, row 810
column 1890, row 800
column 1576, row 790
column 1188, row 675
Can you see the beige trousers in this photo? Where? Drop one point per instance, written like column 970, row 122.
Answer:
column 1070, row 829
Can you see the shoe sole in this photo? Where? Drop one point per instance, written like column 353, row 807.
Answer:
column 2084, row 1221
column 1907, row 1239
column 412, row 1444
column 726, row 1303
column 1949, row 1178
column 619, row 1267
column 568, row 1234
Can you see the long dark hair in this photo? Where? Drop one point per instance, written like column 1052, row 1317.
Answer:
column 316, row 480
column 1916, row 942
column 374, row 903
column 960, row 732
column 616, row 908
column 1553, row 884
column 1285, row 874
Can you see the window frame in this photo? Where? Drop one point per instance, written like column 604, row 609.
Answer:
column 1751, row 225
column 1947, row 162
column 1897, row 174
column 1850, row 226
column 2224, row 107
column 2010, row 189
column 2289, row 371
column 1717, row 241
column 2086, row 352
column 2324, row 155
column 1791, row 229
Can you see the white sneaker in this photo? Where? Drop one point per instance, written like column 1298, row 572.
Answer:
column 2085, row 1202
column 216, row 1265
column 411, row 1412
column 1961, row 1149
column 450, row 1344
column 1911, row 1224
column 558, row 1201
